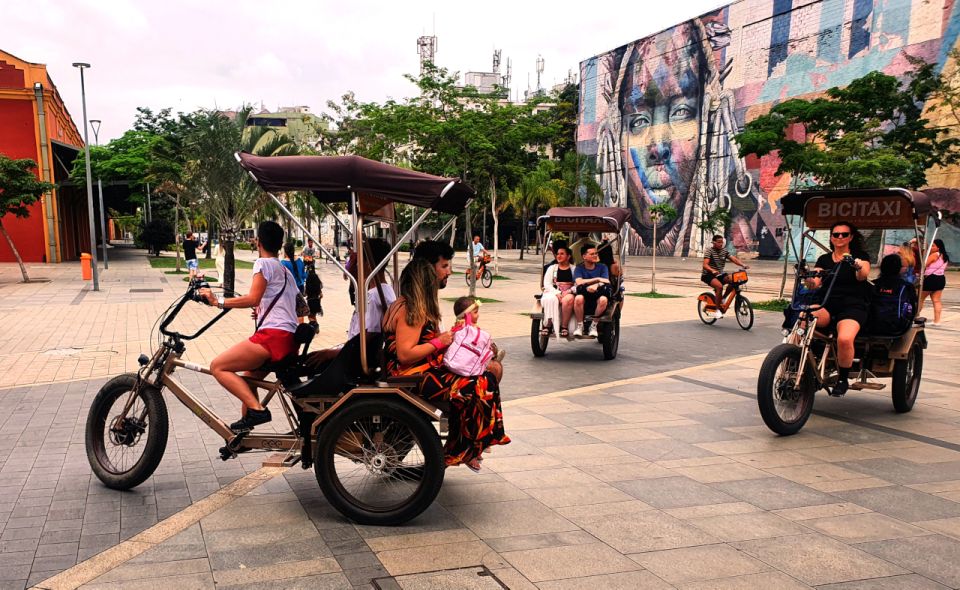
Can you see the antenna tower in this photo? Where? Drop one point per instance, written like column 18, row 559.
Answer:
column 496, row 61
column 427, row 49
column 539, row 71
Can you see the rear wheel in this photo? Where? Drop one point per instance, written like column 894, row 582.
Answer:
column 610, row 336
column 124, row 451
column 487, row 279
column 379, row 462
column 744, row 312
column 538, row 341
column 906, row 379
column 705, row 316
column 785, row 408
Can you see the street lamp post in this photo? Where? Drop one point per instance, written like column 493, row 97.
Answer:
column 95, row 125
column 86, row 145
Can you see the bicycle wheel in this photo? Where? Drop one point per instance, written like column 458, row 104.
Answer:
column 487, row 279
column 906, row 379
column 538, row 341
column 784, row 408
column 744, row 312
column 610, row 336
column 124, row 451
column 705, row 316
column 379, row 462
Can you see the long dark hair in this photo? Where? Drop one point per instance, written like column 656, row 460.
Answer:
column 292, row 257
column 856, row 238
column 942, row 250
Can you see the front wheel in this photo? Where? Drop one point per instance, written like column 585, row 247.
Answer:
column 784, row 406
column 906, row 379
column 487, row 279
column 379, row 462
column 706, row 317
column 610, row 336
column 744, row 312
column 124, row 449
column 538, row 340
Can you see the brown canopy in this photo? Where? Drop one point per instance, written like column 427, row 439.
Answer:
column 585, row 218
column 333, row 178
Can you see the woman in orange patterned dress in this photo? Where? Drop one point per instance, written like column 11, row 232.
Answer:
column 414, row 345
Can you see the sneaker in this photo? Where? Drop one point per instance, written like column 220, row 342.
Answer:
column 578, row 332
column 593, row 331
column 840, row 388
column 253, row 418
column 500, row 354
column 718, row 314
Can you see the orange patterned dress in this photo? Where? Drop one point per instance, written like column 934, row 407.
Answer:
column 476, row 419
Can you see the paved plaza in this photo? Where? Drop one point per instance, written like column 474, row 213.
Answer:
column 653, row 470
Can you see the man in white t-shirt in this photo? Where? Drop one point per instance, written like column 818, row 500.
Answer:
column 479, row 253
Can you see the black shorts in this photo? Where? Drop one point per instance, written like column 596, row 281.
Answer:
column 933, row 283
column 707, row 277
column 590, row 299
column 847, row 308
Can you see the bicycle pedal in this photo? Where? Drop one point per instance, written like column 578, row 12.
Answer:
column 226, row 454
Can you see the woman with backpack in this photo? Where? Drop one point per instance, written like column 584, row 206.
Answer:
column 934, row 280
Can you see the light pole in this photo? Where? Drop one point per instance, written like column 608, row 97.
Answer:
column 86, row 146
column 95, row 125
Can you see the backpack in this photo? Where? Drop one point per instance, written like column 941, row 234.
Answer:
column 470, row 352
column 313, row 287
column 892, row 308
column 801, row 297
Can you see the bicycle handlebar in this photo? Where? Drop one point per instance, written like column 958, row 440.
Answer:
column 192, row 294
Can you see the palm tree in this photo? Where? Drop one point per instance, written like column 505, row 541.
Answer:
column 536, row 189
column 226, row 192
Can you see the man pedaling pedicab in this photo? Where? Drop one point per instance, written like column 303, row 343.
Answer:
column 714, row 259
column 849, row 302
column 273, row 295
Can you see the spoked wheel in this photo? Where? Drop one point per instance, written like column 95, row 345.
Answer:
column 538, row 340
column 487, row 279
column 379, row 462
column 610, row 336
column 744, row 312
column 906, row 379
column 125, row 449
column 705, row 316
column 784, row 408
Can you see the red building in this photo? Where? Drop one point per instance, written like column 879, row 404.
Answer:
column 35, row 124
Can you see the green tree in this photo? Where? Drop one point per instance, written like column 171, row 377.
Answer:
column 224, row 190
column 870, row 133
column 535, row 190
column 659, row 213
column 19, row 188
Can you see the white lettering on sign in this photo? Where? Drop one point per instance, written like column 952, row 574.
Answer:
column 853, row 210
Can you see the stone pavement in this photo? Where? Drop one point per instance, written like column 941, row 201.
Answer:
column 663, row 481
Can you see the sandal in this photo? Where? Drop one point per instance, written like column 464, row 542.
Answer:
column 564, row 333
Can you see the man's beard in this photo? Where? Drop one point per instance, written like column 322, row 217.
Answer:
column 443, row 283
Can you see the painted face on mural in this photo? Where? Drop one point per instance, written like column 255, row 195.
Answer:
column 660, row 101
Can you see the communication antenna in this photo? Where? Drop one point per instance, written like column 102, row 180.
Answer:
column 539, row 71
column 496, row 61
column 509, row 75
column 427, row 49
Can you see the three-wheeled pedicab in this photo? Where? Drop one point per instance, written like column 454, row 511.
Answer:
column 806, row 361
column 375, row 445
column 584, row 222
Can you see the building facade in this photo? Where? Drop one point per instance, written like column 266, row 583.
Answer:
column 659, row 114
column 35, row 124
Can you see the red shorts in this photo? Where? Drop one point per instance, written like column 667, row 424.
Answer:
column 279, row 343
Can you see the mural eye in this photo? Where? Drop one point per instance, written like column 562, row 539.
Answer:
column 681, row 112
column 638, row 121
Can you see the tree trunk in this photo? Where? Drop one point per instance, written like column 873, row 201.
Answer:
column 229, row 262
column 496, row 226
column 453, row 231
column 523, row 232
column 176, row 231
column 473, row 263
column 16, row 254
column 210, row 227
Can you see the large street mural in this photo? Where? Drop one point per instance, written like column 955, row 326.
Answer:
column 660, row 114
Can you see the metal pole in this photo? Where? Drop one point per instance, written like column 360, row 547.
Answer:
column 149, row 211
column 95, row 125
column 86, row 146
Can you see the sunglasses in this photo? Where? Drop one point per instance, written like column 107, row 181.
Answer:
column 841, row 234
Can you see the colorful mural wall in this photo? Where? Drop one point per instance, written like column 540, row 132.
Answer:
column 660, row 114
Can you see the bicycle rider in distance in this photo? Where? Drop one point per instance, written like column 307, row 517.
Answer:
column 714, row 259
column 478, row 249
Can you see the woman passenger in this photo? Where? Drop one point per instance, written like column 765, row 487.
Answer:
column 909, row 262
column 414, row 344
column 934, row 279
column 848, row 305
column 558, row 293
column 273, row 296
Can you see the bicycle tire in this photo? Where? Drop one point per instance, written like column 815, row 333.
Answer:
column 487, row 279
column 744, row 312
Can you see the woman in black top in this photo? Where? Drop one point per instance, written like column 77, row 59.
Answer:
column 848, row 304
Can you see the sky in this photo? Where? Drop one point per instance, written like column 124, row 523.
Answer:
column 217, row 54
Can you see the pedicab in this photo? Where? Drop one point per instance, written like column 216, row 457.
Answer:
column 585, row 223
column 376, row 447
column 806, row 361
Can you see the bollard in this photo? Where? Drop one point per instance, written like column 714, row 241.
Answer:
column 85, row 266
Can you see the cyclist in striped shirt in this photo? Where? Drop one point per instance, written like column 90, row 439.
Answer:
column 714, row 259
